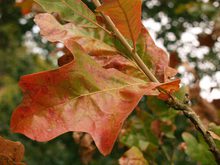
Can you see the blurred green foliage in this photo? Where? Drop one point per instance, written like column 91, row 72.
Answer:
column 198, row 150
column 163, row 135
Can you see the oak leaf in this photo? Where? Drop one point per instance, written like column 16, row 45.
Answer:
column 80, row 96
column 93, row 92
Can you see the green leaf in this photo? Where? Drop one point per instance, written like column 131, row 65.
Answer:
column 160, row 109
column 137, row 132
column 142, row 49
column 198, row 151
column 215, row 128
column 180, row 94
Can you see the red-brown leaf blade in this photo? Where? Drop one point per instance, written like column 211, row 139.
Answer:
column 169, row 88
column 126, row 15
column 11, row 152
column 80, row 96
column 159, row 58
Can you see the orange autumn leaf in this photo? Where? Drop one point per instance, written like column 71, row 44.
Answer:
column 80, row 96
column 11, row 153
column 95, row 88
column 169, row 88
column 126, row 15
column 25, row 5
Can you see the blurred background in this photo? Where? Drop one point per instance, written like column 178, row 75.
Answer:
column 188, row 30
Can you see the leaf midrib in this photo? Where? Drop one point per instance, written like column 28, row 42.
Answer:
column 110, row 89
column 102, row 91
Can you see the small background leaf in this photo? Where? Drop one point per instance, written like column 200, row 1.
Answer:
column 11, row 153
column 198, row 151
column 134, row 157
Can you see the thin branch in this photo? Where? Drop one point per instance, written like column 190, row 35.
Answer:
column 175, row 103
column 194, row 118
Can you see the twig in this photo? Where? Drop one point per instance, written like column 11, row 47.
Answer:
column 194, row 118
column 175, row 103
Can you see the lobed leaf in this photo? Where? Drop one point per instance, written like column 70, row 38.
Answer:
column 126, row 15
column 94, row 92
column 80, row 96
